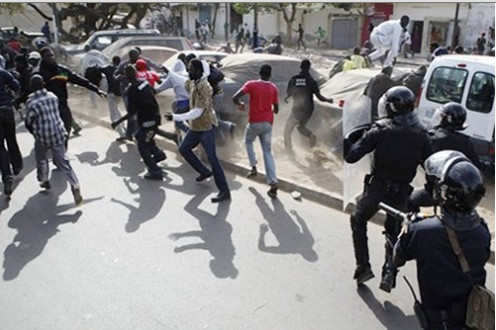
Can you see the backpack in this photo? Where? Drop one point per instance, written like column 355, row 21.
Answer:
column 215, row 77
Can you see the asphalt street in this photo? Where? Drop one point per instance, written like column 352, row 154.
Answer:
column 159, row 255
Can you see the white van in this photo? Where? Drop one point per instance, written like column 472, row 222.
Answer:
column 468, row 80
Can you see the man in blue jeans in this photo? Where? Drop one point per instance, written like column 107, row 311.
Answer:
column 264, row 102
column 202, row 125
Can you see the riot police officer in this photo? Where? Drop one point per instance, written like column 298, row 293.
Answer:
column 444, row 288
column 399, row 144
column 445, row 136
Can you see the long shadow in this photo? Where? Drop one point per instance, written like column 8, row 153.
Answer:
column 389, row 315
column 127, row 163
column 215, row 234
column 293, row 237
column 36, row 223
column 150, row 200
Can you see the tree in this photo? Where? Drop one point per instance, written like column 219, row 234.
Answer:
column 11, row 8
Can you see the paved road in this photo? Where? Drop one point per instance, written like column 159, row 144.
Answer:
column 150, row 255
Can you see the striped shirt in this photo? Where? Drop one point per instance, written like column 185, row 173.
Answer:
column 43, row 118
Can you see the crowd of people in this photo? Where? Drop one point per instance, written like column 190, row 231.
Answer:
column 397, row 141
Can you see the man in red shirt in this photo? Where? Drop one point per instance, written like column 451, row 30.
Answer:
column 143, row 73
column 264, row 102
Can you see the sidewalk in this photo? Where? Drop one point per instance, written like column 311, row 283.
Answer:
column 316, row 173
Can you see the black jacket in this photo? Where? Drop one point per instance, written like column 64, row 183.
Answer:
column 444, row 139
column 56, row 79
column 399, row 146
column 440, row 277
column 142, row 102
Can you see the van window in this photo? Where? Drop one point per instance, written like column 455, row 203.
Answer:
column 446, row 85
column 481, row 94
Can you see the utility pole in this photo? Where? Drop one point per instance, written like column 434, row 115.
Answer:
column 255, row 26
column 226, row 24
column 456, row 31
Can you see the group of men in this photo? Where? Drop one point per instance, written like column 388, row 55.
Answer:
column 399, row 144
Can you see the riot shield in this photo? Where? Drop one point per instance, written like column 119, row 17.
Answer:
column 356, row 111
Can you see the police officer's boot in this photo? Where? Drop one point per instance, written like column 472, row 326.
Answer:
column 388, row 281
column 363, row 272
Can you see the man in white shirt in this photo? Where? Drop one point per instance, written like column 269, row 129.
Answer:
column 388, row 36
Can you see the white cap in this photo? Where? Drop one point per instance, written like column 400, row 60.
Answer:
column 35, row 55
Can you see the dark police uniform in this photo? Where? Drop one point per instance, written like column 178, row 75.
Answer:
column 301, row 87
column 399, row 145
column 444, row 289
column 442, row 139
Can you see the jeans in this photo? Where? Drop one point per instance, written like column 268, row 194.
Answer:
column 115, row 113
column 148, row 149
column 10, row 156
column 291, row 123
column 264, row 132
column 181, row 107
column 207, row 140
column 59, row 157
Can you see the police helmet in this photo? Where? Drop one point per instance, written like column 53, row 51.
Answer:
column 451, row 116
column 398, row 100
column 458, row 184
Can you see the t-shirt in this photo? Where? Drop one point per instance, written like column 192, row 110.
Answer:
column 302, row 87
column 263, row 94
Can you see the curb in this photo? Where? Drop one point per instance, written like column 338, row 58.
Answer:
column 319, row 196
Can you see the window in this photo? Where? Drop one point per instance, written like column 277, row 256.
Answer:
column 446, row 85
column 102, row 42
column 481, row 94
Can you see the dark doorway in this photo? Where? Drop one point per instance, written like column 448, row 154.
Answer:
column 418, row 28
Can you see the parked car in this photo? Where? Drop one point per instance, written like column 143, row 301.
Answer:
column 158, row 54
column 24, row 37
column 179, row 43
column 102, row 39
column 211, row 56
column 239, row 68
column 468, row 80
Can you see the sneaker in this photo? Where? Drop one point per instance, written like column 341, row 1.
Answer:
column 273, row 190
column 76, row 128
column 388, row 281
column 76, row 192
column 156, row 177
column 202, row 177
column 45, row 185
column 253, row 172
column 7, row 187
column 363, row 274
column 221, row 197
